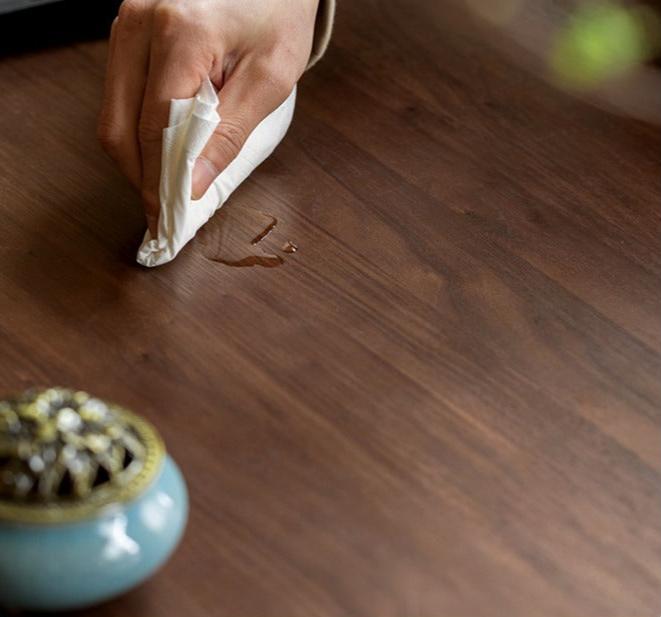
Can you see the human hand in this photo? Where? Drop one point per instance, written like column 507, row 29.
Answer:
column 254, row 52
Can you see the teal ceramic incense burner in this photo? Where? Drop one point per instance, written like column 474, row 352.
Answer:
column 90, row 503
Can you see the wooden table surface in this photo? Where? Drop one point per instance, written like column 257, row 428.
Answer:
column 444, row 404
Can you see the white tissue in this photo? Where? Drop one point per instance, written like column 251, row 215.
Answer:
column 191, row 124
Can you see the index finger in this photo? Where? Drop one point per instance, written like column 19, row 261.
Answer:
column 176, row 71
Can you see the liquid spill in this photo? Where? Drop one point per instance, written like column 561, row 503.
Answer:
column 265, row 232
column 239, row 238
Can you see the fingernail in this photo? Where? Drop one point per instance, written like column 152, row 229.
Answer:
column 204, row 173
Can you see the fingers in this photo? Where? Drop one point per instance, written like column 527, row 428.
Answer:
column 176, row 70
column 250, row 94
column 125, row 83
column 161, row 51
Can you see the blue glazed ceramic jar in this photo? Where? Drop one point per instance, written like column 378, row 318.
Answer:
column 90, row 503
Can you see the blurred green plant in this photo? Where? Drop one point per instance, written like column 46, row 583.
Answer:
column 601, row 41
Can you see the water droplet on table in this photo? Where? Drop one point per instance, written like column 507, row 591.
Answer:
column 289, row 247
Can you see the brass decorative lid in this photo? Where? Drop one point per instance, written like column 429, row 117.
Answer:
column 64, row 455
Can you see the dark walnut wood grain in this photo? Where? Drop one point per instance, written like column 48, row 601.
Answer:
column 446, row 404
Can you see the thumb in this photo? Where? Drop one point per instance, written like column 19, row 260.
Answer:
column 246, row 99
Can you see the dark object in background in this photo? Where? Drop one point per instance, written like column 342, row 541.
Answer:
column 8, row 6
column 59, row 23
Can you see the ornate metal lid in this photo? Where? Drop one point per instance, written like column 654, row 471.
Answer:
column 64, row 455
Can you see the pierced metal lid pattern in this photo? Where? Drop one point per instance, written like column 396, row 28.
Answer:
column 64, row 455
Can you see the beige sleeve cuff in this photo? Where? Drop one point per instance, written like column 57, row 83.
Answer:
column 322, row 30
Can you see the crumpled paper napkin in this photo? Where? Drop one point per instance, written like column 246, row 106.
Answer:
column 191, row 124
